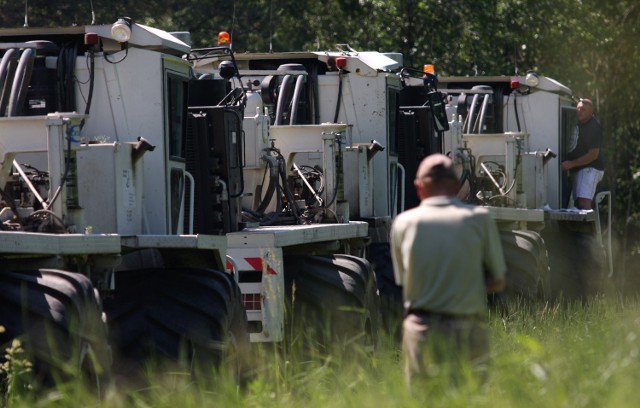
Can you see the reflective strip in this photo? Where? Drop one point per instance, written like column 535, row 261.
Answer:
column 257, row 264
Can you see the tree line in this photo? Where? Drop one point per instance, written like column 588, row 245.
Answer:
column 590, row 46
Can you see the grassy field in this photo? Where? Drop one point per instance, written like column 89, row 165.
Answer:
column 577, row 355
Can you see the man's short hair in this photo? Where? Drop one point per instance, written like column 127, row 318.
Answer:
column 586, row 101
column 438, row 167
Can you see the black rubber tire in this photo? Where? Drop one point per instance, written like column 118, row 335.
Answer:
column 379, row 255
column 527, row 265
column 58, row 317
column 178, row 315
column 576, row 261
column 334, row 297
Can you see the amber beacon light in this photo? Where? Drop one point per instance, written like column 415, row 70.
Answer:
column 429, row 69
column 224, row 38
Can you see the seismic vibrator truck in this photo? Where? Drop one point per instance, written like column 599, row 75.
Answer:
column 506, row 134
column 124, row 177
column 159, row 200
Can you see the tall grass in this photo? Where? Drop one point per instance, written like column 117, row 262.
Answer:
column 551, row 355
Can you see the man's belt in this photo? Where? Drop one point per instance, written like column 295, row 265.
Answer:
column 439, row 315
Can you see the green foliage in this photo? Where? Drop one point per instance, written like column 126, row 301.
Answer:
column 15, row 372
column 596, row 52
column 559, row 355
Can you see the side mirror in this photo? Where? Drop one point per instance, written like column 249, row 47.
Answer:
column 436, row 102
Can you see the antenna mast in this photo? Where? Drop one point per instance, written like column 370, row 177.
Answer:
column 26, row 13
column 271, row 26
column 93, row 13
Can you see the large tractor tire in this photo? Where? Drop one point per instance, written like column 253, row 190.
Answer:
column 527, row 265
column 576, row 261
column 57, row 317
column 186, row 316
column 379, row 255
column 334, row 298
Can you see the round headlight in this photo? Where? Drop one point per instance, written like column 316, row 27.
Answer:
column 121, row 30
column 532, row 79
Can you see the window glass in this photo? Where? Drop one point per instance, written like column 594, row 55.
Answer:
column 177, row 108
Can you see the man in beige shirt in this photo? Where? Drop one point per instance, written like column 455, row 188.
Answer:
column 447, row 256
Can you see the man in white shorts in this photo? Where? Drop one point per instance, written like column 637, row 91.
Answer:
column 584, row 159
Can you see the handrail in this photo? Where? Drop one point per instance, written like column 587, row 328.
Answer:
column 192, row 191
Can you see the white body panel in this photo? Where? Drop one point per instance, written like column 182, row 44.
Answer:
column 106, row 170
column 539, row 115
column 261, row 249
column 364, row 107
column 264, row 301
column 25, row 243
column 129, row 102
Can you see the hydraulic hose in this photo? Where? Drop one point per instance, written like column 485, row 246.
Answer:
column 515, row 108
column 296, row 99
column 472, row 114
column 92, row 66
column 335, row 117
column 284, row 89
column 463, row 177
column 21, row 82
column 5, row 82
column 483, row 113
column 272, row 163
column 66, row 69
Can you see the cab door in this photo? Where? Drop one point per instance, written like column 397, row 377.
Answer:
column 176, row 81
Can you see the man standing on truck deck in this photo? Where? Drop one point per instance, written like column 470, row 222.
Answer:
column 446, row 256
column 584, row 159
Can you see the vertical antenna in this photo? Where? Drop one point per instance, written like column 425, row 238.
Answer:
column 26, row 13
column 271, row 26
column 233, row 23
column 93, row 13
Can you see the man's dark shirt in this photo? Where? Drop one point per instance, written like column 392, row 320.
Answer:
column 589, row 137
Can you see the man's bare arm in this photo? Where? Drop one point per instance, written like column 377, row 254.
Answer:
column 588, row 157
column 495, row 285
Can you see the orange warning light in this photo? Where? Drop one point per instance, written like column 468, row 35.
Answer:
column 224, row 38
column 429, row 69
